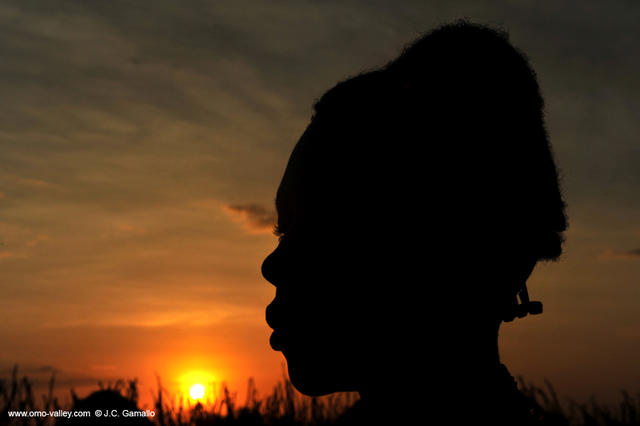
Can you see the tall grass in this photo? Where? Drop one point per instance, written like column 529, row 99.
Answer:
column 286, row 407
column 283, row 406
column 17, row 394
column 590, row 413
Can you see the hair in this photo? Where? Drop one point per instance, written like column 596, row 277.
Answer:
column 457, row 122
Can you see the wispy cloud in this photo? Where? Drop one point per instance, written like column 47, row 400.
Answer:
column 39, row 183
column 37, row 240
column 255, row 217
column 633, row 254
column 46, row 369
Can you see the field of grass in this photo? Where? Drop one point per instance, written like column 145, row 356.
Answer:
column 284, row 406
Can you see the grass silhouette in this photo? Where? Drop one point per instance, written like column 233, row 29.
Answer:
column 284, row 406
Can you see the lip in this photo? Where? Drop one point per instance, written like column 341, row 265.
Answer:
column 276, row 341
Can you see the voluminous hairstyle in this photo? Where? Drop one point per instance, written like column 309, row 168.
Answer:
column 449, row 134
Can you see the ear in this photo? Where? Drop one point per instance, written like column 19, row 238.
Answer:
column 527, row 269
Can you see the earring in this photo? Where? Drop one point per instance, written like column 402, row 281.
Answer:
column 522, row 309
column 530, row 307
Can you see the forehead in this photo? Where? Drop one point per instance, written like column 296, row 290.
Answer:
column 288, row 196
column 285, row 202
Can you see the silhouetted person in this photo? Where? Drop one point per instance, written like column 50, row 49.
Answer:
column 411, row 213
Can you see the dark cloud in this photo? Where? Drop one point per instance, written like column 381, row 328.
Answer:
column 633, row 254
column 240, row 77
column 30, row 369
column 255, row 217
column 46, row 369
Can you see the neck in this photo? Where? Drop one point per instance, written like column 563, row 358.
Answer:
column 464, row 368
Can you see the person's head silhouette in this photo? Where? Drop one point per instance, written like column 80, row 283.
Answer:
column 412, row 211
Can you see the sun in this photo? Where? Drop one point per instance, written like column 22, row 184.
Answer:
column 197, row 385
column 196, row 391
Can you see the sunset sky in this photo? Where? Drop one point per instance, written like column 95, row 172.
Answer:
column 142, row 142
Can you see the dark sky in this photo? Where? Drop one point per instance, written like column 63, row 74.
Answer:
column 141, row 144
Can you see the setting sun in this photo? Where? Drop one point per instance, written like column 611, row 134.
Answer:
column 198, row 385
column 196, row 391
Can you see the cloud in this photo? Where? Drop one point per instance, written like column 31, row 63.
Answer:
column 45, row 369
column 633, row 254
column 36, row 182
column 256, row 218
column 37, row 240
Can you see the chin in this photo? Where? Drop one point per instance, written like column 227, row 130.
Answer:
column 316, row 378
column 310, row 383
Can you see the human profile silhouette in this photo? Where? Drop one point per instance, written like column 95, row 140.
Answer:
column 411, row 213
